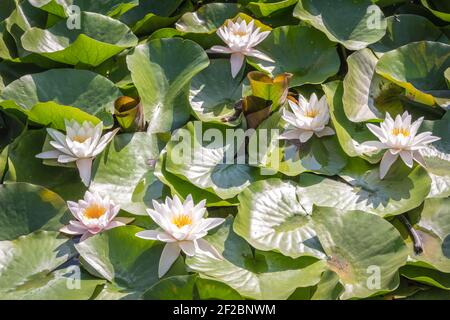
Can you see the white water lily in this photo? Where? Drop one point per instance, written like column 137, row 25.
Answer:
column 183, row 228
column 81, row 145
column 241, row 38
column 400, row 137
column 93, row 214
column 309, row 118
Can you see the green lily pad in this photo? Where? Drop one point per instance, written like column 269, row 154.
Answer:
column 161, row 71
column 27, row 208
column 427, row 276
column 271, row 217
column 350, row 134
column 149, row 16
column 353, row 23
column 183, row 188
column 434, row 230
column 85, row 90
column 130, row 263
column 418, row 67
column 360, row 188
column 214, row 93
column 364, row 250
column 213, row 290
column 23, row 166
column 28, row 265
column 209, row 166
column 104, row 36
column 173, row 288
column 126, row 162
column 208, row 18
column 263, row 275
column 406, row 28
column 368, row 96
column 57, row 7
column 437, row 157
column 440, row 9
column 267, row 8
column 300, row 50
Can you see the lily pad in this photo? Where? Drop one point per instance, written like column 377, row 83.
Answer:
column 418, row 67
column 406, row 28
column 271, row 217
column 367, row 95
column 353, row 23
column 183, row 188
column 427, row 276
column 440, row 9
column 85, row 90
column 130, row 263
column 214, row 93
column 434, row 230
column 126, row 162
column 364, row 250
column 161, row 71
column 350, row 134
column 263, row 275
column 104, row 36
column 360, row 188
column 27, row 208
column 300, row 50
column 207, row 161
column 28, row 264
column 267, row 8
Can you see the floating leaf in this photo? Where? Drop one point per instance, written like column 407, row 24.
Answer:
column 355, row 24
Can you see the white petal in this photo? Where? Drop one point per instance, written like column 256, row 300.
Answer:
column 53, row 154
column 417, row 156
column 124, row 220
column 220, row 49
column 72, row 230
column 84, row 167
column 188, row 247
column 305, row 136
column 236, row 60
column 386, row 163
column 66, row 159
column 148, row 234
column 290, row 134
column 377, row 131
column 169, row 254
column 211, row 223
column 258, row 54
column 327, row 131
column 204, row 246
column 407, row 158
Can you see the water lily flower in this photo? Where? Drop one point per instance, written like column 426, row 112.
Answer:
column 309, row 118
column 81, row 145
column 93, row 215
column 241, row 38
column 400, row 137
column 183, row 228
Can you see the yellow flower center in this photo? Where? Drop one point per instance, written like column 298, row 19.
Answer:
column 312, row 113
column 240, row 33
column 404, row 132
column 94, row 211
column 80, row 139
column 182, row 220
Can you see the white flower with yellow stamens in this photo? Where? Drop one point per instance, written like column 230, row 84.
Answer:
column 241, row 38
column 81, row 145
column 400, row 137
column 309, row 118
column 183, row 228
column 93, row 214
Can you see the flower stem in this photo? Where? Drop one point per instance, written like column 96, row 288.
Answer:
column 418, row 245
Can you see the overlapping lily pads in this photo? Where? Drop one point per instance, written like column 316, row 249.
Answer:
column 302, row 51
column 104, row 36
